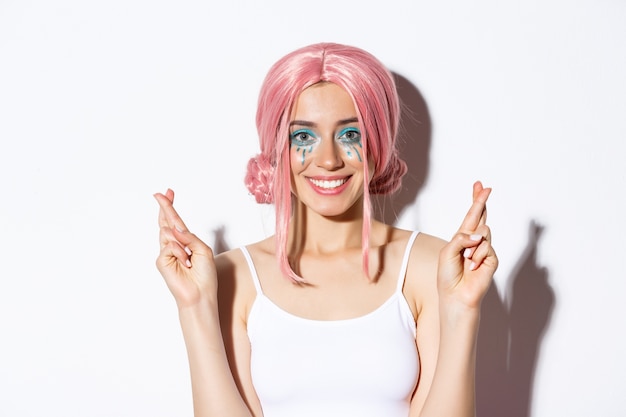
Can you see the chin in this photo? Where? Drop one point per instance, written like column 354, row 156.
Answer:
column 341, row 209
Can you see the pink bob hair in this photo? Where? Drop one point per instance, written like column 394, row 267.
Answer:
column 373, row 91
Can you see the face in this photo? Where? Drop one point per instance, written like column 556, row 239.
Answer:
column 327, row 163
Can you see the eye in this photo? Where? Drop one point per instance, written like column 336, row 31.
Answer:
column 350, row 134
column 302, row 137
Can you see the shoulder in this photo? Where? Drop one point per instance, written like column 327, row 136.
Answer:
column 427, row 247
column 421, row 275
column 236, row 290
column 232, row 264
column 424, row 250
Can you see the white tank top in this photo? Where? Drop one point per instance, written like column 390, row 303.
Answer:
column 366, row 366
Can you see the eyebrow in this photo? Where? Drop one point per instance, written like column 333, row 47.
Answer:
column 311, row 124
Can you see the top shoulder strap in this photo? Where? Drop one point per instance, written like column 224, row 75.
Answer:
column 405, row 261
column 255, row 276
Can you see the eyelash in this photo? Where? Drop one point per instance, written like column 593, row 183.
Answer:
column 296, row 137
column 350, row 130
column 303, row 137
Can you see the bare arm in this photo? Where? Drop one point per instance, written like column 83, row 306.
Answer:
column 188, row 268
column 448, row 323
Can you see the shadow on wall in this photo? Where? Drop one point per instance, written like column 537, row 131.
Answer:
column 510, row 336
column 219, row 244
column 414, row 138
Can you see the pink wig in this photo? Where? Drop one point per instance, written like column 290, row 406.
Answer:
column 375, row 98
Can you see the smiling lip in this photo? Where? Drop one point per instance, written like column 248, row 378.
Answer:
column 328, row 186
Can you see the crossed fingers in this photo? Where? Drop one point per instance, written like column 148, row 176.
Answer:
column 169, row 222
column 474, row 227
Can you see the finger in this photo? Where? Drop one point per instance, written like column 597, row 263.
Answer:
column 166, row 235
column 169, row 194
column 483, row 254
column 192, row 245
column 477, row 188
column 170, row 217
column 480, row 251
column 484, row 232
column 458, row 245
column 188, row 241
column 173, row 250
column 475, row 237
column 465, row 243
column 477, row 213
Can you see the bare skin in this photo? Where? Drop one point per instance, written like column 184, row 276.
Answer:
column 444, row 285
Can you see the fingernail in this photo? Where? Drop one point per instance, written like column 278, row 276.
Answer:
column 179, row 229
column 187, row 250
column 188, row 263
column 476, row 237
column 467, row 252
column 472, row 266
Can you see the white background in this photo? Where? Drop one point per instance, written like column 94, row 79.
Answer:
column 103, row 103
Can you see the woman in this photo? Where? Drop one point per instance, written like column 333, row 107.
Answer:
column 337, row 314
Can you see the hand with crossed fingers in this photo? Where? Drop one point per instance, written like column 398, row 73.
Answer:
column 467, row 263
column 185, row 261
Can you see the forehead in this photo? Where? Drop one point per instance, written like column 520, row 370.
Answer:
column 323, row 102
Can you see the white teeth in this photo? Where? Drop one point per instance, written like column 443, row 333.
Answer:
column 328, row 184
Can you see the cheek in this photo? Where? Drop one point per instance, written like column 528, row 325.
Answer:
column 353, row 152
column 300, row 155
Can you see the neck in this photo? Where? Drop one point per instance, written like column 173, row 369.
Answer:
column 313, row 233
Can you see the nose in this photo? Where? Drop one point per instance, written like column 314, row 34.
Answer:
column 328, row 156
